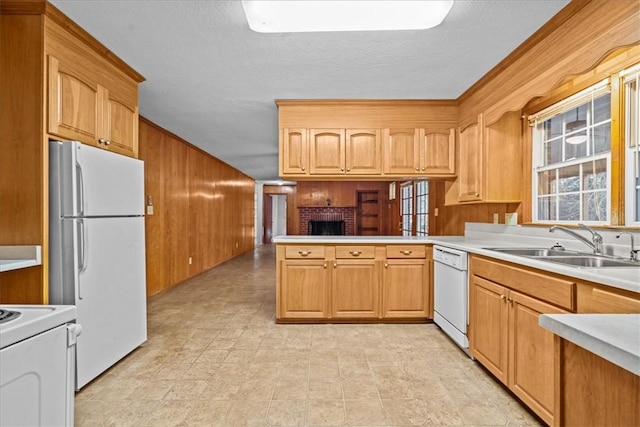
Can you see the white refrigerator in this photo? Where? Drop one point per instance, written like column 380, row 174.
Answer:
column 97, row 251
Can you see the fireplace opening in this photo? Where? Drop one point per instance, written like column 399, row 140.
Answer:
column 326, row 228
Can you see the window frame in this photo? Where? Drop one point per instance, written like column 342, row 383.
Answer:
column 415, row 212
column 631, row 152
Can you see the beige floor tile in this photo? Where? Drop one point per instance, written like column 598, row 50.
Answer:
column 441, row 411
column 129, row 413
column 325, row 412
column 287, row 413
column 359, row 388
column 201, row 371
column 209, row 413
column 92, row 412
column 401, row 412
column 151, row 389
column 248, row 413
column 325, row 389
column 365, row 412
column 288, row 389
column 480, row 412
column 186, row 390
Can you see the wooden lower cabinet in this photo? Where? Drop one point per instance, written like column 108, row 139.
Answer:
column 404, row 292
column 355, row 289
column 505, row 337
column 317, row 282
column 304, row 289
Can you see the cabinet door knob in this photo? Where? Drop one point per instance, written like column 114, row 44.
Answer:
column 348, row 169
column 386, row 265
column 341, row 169
column 303, row 168
column 417, row 168
column 406, row 252
column 335, row 265
column 422, row 168
column 304, row 253
column 107, row 142
column 355, row 253
column 503, row 297
column 102, row 141
column 324, row 265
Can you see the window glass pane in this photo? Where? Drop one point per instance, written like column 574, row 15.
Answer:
column 575, row 151
column 569, row 179
column 569, row 207
column 601, row 138
column 547, row 182
column 546, row 208
column 602, row 108
column 595, row 175
column 553, row 151
column 596, row 206
column 553, row 127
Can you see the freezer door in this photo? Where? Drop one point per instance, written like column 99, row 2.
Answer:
column 111, row 299
column 96, row 182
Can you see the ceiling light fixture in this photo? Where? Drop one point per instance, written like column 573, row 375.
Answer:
column 266, row 16
column 577, row 138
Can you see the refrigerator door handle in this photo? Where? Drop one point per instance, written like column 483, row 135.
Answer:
column 80, row 189
column 82, row 248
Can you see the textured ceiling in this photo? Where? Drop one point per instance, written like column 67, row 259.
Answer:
column 213, row 81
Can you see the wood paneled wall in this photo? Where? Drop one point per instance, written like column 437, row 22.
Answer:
column 203, row 209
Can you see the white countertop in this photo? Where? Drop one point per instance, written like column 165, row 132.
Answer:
column 15, row 257
column 614, row 337
column 352, row 240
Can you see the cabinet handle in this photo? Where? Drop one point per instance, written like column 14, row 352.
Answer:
column 348, row 169
column 304, row 253
column 417, row 168
column 102, row 141
column 406, row 252
column 303, row 168
column 386, row 265
column 503, row 297
column 422, row 168
column 335, row 265
column 107, row 142
column 341, row 169
column 355, row 253
column 477, row 194
column 324, row 265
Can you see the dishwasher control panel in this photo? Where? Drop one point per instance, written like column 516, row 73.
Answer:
column 451, row 257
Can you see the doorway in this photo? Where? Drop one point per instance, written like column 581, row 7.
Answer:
column 368, row 213
column 274, row 216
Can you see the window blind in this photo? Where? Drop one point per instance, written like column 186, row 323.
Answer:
column 571, row 102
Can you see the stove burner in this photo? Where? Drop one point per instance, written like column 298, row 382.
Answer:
column 8, row 315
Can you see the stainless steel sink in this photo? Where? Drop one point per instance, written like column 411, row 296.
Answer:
column 589, row 261
column 533, row 252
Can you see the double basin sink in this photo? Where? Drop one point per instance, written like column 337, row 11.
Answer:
column 569, row 258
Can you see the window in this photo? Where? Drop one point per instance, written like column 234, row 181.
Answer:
column 631, row 81
column 572, row 159
column 415, row 208
column 406, row 196
column 422, row 208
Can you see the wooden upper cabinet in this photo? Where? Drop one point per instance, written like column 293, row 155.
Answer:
column 437, row 152
column 471, row 162
column 326, row 151
column 363, row 152
column 294, row 149
column 89, row 99
column 75, row 103
column 401, row 151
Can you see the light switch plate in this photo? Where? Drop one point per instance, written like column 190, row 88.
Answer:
column 511, row 218
column 149, row 210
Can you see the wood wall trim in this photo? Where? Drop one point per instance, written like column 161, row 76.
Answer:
column 549, row 27
column 367, row 102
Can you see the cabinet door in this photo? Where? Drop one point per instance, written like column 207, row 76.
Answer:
column 326, row 155
column 405, row 288
column 488, row 323
column 355, row 289
column 363, row 155
column 531, row 354
column 470, row 171
column 401, row 151
column 120, row 126
column 437, row 152
column 305, row 289
column 75, row 104
column 294, row 151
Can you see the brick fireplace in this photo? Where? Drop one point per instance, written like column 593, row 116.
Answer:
column 348, row 215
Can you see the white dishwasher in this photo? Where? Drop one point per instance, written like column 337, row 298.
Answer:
column 451, row 295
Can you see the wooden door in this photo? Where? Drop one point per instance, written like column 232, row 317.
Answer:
column 120, row 125
column 75, row 104
column 437, row 152
column 326, row 151
column 405, row 288
column 401, row 150
column 470, row 171
column 294, row 151
column 305, row 289
column 488, row 321
column 531, row 354
column 363, row 152
column 367, row 214
column 267, row 219
column 354, row 289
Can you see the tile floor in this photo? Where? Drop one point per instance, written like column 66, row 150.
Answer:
column 216, row 357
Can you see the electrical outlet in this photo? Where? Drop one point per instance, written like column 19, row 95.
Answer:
column 190, row 260
column 496, row 218
column 511, row 218
column 435, row 212
column 149, row 210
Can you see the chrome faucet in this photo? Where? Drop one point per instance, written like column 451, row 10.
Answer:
column 634, row 251
column 596, row 239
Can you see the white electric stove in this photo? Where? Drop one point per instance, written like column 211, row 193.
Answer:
column 37, row 364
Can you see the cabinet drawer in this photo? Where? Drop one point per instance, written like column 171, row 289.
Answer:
column 349, row 252
column 406, row 251
column 305, row 252
column 602, row 299
column 539, row 284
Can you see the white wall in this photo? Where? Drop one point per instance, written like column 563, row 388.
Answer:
column 259, row 227
column 279, row 215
